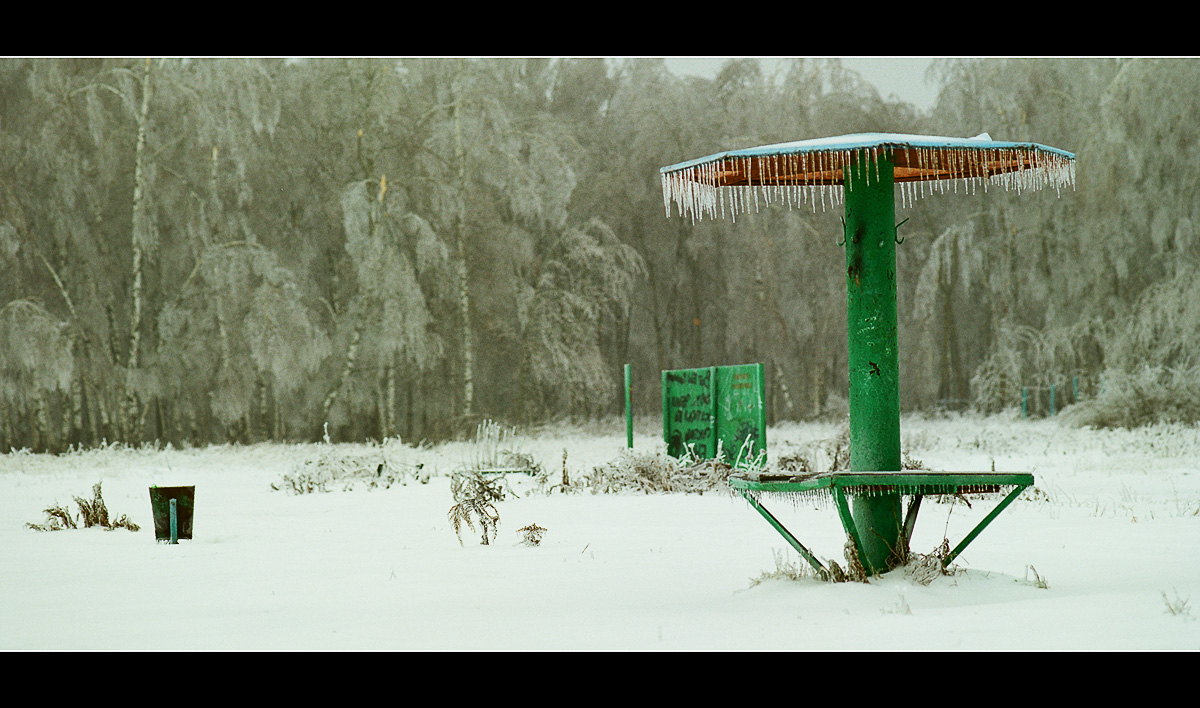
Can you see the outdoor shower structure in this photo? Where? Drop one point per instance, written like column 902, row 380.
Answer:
column 867, row 172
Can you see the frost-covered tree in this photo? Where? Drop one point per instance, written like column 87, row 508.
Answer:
column 495, row 173
column 400, row 264
column 585, row 276
column 35, row 361
column 240, row 327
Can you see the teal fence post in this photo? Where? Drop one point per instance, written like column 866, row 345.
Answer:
column 174, row 523
column 666, row 408
column 1024, row 402
column 1075, row 389
column 628, row 408
column 1052, row 400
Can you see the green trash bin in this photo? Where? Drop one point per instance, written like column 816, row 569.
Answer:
column 160, row 505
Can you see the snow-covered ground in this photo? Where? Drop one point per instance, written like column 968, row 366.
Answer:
column 1113, row 534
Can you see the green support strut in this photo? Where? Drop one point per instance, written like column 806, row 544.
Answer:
column 873, row 342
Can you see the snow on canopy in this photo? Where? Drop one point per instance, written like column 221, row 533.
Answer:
column 812, row 170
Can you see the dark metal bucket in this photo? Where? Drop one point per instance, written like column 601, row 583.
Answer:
column 160, row 505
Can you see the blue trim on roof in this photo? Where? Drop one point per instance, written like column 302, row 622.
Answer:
column 866, row 140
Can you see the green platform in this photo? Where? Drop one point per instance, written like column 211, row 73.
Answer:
column 879, row 485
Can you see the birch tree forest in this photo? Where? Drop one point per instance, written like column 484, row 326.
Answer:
column 242, row 250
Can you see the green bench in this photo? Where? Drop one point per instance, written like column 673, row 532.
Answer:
column 915, row 484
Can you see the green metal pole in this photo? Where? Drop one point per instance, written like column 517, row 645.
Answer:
column 174, row 523
column 1024, row 403
column 1052, row 413
column 628, row 408
column 873, row 344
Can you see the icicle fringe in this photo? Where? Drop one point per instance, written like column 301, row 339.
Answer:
column 791, row 180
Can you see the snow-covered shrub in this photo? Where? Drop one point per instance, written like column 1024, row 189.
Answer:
column 348, row 466
column 1143, row 397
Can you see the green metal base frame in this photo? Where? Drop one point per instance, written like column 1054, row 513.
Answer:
column 917, row 484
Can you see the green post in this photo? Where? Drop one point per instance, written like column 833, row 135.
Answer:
column 174, row 523
column 666, row 408
column 873, row 343
column 1074, row 389
column 628, row 408
column 1051, row 400
column 1024, row 402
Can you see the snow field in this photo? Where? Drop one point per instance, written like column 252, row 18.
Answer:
column 1113, row 531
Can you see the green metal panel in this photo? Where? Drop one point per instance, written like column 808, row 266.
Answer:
column 740, row 412
column 689, row 412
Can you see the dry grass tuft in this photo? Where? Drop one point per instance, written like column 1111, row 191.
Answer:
column 93, row 513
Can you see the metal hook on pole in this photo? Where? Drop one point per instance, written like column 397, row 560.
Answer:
column 898, row 239
column 843, row 241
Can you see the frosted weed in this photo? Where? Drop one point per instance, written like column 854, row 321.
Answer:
column 1038, row 581
column 531, row 534
column 1177, row 607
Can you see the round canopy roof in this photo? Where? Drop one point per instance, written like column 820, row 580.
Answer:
column 813, row 170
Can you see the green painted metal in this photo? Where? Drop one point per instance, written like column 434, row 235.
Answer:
column 924, row 482
column 716, row 404
column 740, row 414
column 787, row 535
column 982, row 525
column 873, row 348
column 1074, row 388
column 628, row 408
column 1024, row 402
column 868, row 484
column 1052, row 409
column 174, row 523
column 689, row 412
column 851, row 528
column 910, row 520
column 666, row 407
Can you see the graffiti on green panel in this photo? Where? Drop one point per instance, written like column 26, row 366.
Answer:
column 724, row 404
column 688, row 408
column 741, row 419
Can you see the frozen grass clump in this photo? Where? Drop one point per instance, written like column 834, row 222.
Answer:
column 370, row 466
column 657, row 473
